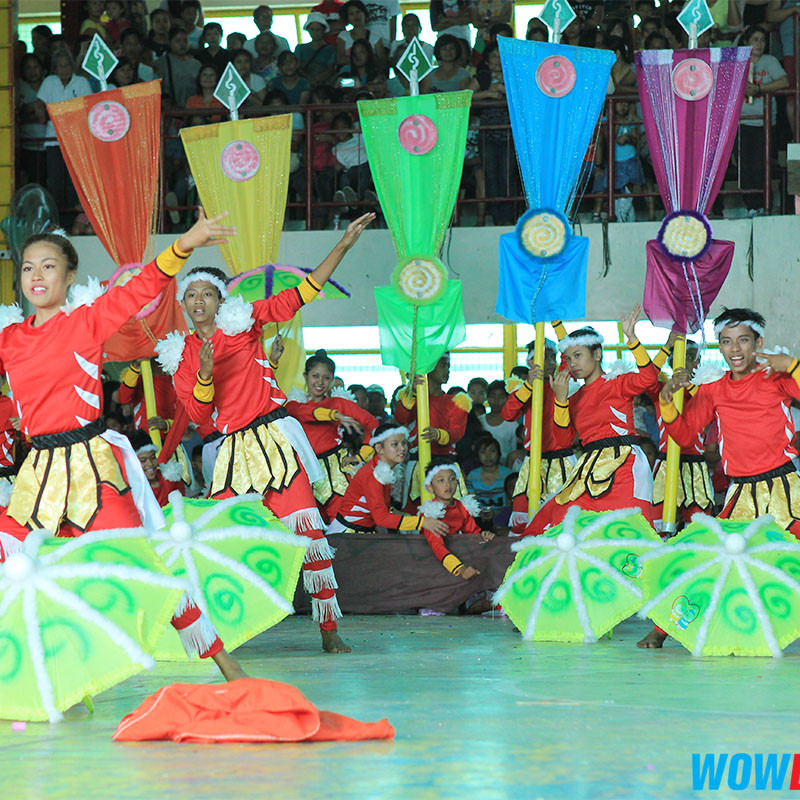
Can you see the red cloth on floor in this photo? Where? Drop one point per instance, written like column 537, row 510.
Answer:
column 247, row 710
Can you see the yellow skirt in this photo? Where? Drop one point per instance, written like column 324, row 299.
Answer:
column 778, row 495
column 593, row 475
column 61, row 485
column 694, row 484
column 554, row 474
column 334, row 480
column 256, row 459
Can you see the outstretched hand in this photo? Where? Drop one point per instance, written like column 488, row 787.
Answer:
column 628, row 322
column 206, row 232
column 774, row 362
column 355, row 229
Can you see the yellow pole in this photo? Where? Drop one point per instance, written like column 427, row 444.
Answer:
column 509, row 349
column 150, row 400
column 424, row 448
column 537, row 400
column 669, row 515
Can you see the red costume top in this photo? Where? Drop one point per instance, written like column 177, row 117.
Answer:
column 366, row 502
column 131, row 391
column 244, row 386
column 521, row 400
column 319, row 421
column 7, row 411
column 756, row 431
column 446, row 415
column 54, row 369
column 165, row 487
column 458, row 520
column 603, row 409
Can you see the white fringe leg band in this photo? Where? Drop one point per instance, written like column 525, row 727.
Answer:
column 319, row 550
column 325, row 610
column 306, row 519
column 314, row 580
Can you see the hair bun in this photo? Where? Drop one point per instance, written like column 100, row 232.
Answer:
column 321, row 354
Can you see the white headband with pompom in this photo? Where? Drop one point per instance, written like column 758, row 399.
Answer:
column 732, row 323
column 201, row 276
column 584, row 340
column 434, row 471
column 146, row 448
column 382, row 437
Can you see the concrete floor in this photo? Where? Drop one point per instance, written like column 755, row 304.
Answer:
column 479, row 715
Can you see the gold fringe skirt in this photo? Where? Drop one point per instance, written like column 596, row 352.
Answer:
column 593, row 475
column 334, row 480
column 776, row 493
column 694, row 483
column 61, row 485
column 554, row 474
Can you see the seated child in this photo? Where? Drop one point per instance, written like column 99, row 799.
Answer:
column 441, row 479
column 366, row 501
column 163, row 478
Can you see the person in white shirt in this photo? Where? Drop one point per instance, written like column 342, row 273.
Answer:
column 262, row 17
column 63, row 85
column 353, row 177
column 30, row 129
column 382, row 18
column 410, row 27
column 354, row 14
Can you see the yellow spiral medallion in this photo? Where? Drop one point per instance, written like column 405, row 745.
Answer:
column 420, row 279
column 544, row 234
column 684, row 236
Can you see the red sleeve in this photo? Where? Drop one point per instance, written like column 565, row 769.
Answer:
column 405, row 416
column 468, row 524
column 693, row 419
column 364, row 418
column 380, row 511
column 645, row 380
column 126, row 394
column 515, row 406
column 457, row 423
column 302, row 412
column 437, row 545
column 185, row 379
column 114, row 308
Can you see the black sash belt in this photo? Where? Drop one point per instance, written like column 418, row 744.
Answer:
column 785, row 469
column 47, row 441
column 612, row 441
column 278, row 413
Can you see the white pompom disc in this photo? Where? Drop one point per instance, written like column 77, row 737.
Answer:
column 19, row 567
column 180, row 531
column 565, row 541
column 735, row 544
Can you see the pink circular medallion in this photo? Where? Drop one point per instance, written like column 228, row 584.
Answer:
column 417, row 134
column 239, row 160
column 109, row 121
column 692, row 79
column 555, row 76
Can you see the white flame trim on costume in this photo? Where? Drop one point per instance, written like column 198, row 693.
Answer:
column 10, row 315
column 732, row 323
column 83, row 295
column 315, row 580
column 384, row 474
column 344, row 394
column 708, row 373
column 434, row 471
column 470, row 502
column 169, row 351
column 432, row 508
column 202, row 275
column 619, row 367
column 387, row 433
column 171, row 471
column 584, row 340
column 235, row 316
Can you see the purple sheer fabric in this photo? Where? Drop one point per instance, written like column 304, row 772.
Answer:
column 690, row 145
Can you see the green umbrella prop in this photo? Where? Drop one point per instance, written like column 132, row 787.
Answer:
column 578, row 580
column 242, row 565
column 77, row 617
column 726, row 587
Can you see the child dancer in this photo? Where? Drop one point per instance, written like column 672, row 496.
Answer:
column 79, row 476
column 163, row 478
column 556, row 461
column 751, row 403
column 366, row 503
column 221, row 373
column 323, row 414
column 441, row 479
column 612, row 471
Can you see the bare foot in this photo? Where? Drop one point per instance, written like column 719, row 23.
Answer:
column 653, row 640
column 332, row 643
column 229, row 666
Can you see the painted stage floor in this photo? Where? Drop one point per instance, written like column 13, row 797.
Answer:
column 479, row 715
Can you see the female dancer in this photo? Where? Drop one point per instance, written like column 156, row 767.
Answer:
column 323, row 414
column 79, row 476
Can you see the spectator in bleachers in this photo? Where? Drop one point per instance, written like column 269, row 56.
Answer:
column 452, row 17
column 323, row 164
column 190, row 14
column 235, row 41
column 486, row 16
column 63, row 84
column 265, row 64
column 124, row 74
column 207, row 80
column 492, row 422
column 537, row 31
column 785, row 14
column 213, row 53
column 32, row 153
column 489, row 41
column 262, row 17
column 297, row 177
column 131, row 44
column 330, row 10
column 486, row 481
column 158, row 39
column 353, row 177
column 41, row 39
column 619, row 28
column 243, row 62
column 289, row 81
column 410, row 27
column 622, row 71
column 354, row 13
column 177, row 69
column 767, row 76
column 382, row 18
column 448, row 75
column 317, row 57
column 92, row 24
column 116, row 23
column 137, row 14
column 362, row 70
